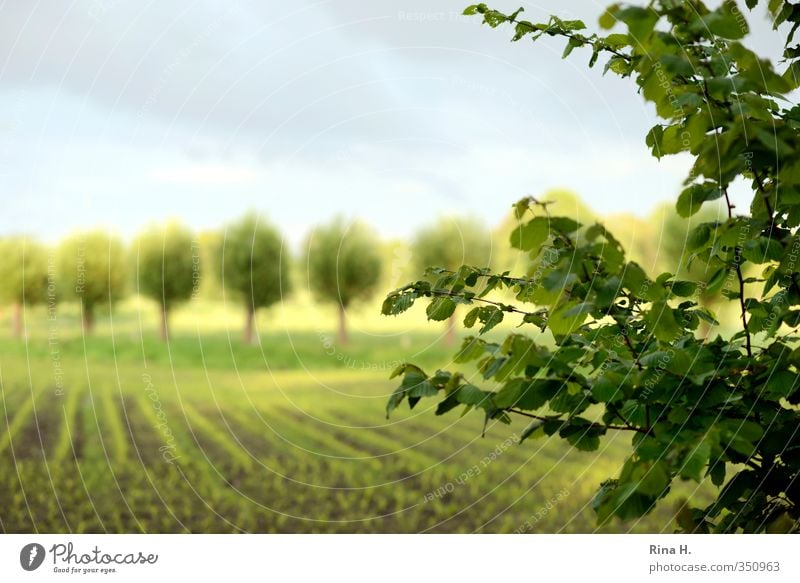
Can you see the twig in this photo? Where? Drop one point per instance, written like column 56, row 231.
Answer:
column 598, row 425
column 740, row 277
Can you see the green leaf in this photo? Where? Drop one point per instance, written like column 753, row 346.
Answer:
column 490, row 316
column 640, row 21
column 582, row 434
column 716, row 281
column 563, row 224
column 727, row 22
column 471, row 317
column 521, row 207
column 509, row 395
column 531, row 235
column 472, row 395
column 395, row 399
column 696, row 460
column 532, row 431
column 607, row 20
column 536, row 393
column 471, row 349
column 395, row 304
column 683, row 289
column 568, row 317
column 440, row 308
column 608, row 387
column 639, row 285
column 662, row 323
column 573, row 43
column 692, row 198
column 698, row 236
column 781, row 383
column 652, row 478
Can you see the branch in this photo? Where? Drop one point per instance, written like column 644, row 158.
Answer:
column 767, row 204
column 740, row 277
column 616, row 412
column 598, row 425
column 503, row 307
column 552, row 30
column 629, row 345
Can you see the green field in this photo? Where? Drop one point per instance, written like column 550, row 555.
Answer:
column 121, row 433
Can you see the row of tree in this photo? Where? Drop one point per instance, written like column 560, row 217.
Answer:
column 342, row 264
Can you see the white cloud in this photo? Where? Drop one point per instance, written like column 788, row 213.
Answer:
column 206, row 175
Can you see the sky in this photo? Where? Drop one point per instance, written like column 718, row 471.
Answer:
column 118, row 114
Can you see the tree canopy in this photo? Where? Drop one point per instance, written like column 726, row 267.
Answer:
column 254, row 265
column 93, row 269
column 23, row 275
column 167, row 265
column 343, row 263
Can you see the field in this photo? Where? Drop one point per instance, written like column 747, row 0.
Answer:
column 119, row 432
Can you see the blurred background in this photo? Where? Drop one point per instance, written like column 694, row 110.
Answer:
column 204, row 205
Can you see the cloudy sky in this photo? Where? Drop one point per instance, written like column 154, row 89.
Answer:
column 116, row 114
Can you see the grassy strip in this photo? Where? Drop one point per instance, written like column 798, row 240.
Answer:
column 218, row 434
column 20, row 418
column 64, row 445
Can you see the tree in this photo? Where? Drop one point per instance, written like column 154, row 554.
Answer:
column 450, row 243
column 344, row 265
column 254, row 266
column 23, row 276
column 624, row 355
column 93, row 269
column 167, row 267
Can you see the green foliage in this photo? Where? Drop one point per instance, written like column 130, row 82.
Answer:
column 343, row 262
column 93, row 269
column 166, row 264
column 451, row 243
column 626, row 356
column 23, row 271
column 254, row 262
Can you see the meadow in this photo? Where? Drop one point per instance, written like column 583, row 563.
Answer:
column 119, row 432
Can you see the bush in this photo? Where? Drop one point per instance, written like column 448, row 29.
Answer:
column 625, row 355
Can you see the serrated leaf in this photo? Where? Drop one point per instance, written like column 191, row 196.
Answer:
column 440, row 308
column 397, row 303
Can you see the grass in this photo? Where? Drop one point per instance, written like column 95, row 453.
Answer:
column 122, row 433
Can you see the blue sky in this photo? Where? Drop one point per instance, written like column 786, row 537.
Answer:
column 116, row 114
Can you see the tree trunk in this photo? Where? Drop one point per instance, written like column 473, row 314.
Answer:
column 16, row 320
column 88, row 320
column 248, row 324
column 164, row 324
column 450, row 331
column 342, row 325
